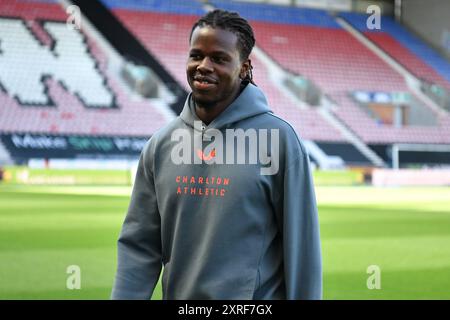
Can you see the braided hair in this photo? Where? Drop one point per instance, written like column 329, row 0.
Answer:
column 233, row 22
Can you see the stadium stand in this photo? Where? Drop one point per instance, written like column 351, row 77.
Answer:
column 183, row 7
column 306, row 121
column 68, row 87
column 164, row 30
column 285, row 15
column 406, row 48
column 56, row 80
column 331, row 57
column 164, row 35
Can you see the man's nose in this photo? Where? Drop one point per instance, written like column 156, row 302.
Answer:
column 206, row 65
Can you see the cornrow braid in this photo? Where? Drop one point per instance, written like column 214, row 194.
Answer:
column 233, row 22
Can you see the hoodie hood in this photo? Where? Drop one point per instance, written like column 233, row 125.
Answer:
column 250, row 102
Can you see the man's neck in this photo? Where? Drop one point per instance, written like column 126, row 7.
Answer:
column 208, row 113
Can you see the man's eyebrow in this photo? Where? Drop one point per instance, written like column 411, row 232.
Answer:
column 217, row 52
column 221, row 53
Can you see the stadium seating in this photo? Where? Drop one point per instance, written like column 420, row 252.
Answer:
column 308, row 123
column 307, row 42
column 55, row 80
column 166, row 34
column 279, row 14
column 184, row 7
column 333, row 59
column 406, row 48
column 374, row 133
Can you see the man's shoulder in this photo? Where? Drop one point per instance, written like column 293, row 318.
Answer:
column 281, row 122
column 166, row 131
column 289, row 137
column 286, row 130
column 162, row 134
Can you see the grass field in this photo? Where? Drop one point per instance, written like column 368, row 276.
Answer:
column 404, row 231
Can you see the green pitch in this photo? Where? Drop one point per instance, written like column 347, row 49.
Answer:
column 403, row 231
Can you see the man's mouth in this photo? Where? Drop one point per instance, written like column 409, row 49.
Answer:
column 204, row 82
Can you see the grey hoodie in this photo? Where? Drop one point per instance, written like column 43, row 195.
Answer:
column 222, row 231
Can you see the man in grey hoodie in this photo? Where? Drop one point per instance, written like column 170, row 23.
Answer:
column 223, row 200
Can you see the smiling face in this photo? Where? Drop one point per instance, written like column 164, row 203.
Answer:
column 214, row 67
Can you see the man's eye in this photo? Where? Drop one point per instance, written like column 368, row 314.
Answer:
column 219, row 60
column 194, row 56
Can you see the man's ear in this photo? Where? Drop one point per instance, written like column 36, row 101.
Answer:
column 245, row 69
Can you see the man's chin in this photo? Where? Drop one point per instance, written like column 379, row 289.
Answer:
column 204, row 102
